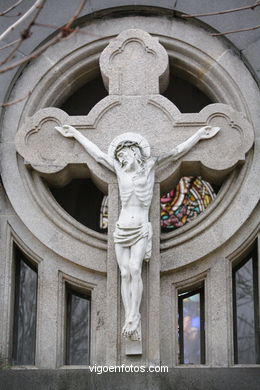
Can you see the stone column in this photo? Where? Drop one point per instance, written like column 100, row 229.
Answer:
column 113, row 296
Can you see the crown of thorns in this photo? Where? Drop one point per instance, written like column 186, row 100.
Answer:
column 126, row 144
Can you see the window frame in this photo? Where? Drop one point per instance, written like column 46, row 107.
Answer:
column 181, row 296
column 253, row 254
column 71, row 289
column 18, row 256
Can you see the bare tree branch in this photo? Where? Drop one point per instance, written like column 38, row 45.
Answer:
column 36, row 7
column 34, row 54
column 77, row 13
column 11, row 8
column 65, row 32
column 10, row 103
column 253, row 6
column 10, row 44
column 12, row 55
column 26, row 33
column 47, row 25
column 12, row 16
column 60, row 28
column 235, row 31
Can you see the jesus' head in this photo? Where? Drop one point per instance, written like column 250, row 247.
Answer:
column 127, row 152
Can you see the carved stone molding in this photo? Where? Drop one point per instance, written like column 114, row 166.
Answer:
column 132, row 66
column 194, row 55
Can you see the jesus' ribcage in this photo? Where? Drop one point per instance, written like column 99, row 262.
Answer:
column 139, row 187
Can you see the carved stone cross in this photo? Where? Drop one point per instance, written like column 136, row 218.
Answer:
column 135, row 68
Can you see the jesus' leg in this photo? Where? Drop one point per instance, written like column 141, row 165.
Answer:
column 136, row 285
column 123, row 256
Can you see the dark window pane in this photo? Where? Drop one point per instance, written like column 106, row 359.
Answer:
column 245, row 307
column 186, row 96
column 86, row 97
column 78, row 329
column 25, row 312
column 191, row 328
column 82, row 200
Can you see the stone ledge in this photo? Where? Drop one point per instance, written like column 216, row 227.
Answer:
column 236, row 378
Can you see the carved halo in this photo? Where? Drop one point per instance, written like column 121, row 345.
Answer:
column 133, row 137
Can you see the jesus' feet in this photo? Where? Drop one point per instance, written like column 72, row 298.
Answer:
column 131, row 327
column 124, row 327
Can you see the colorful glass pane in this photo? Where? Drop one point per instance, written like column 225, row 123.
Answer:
column 186, row 201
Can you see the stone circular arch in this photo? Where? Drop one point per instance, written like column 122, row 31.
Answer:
column 207, row 62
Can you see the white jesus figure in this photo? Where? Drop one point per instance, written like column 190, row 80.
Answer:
column 129, row 158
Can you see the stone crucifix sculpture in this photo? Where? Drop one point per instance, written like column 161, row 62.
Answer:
column 135, row 120
column 129, row 158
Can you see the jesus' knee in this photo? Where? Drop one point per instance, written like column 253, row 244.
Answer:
column 135, row 271
column 125, row 273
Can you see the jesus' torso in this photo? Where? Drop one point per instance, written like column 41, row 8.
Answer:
column 136, row 191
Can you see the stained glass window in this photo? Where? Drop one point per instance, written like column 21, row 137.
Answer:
column 78, row 328
column 186, row 201
column 25, row 309
column 246, row 311
column 191, row 327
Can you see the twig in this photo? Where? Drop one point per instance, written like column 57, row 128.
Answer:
column 11, row 55
column 60, row 28
column 89, row 34
column 77, row 13
column 46, row 25
column 37, row 6
column 64, row 33
column 235, row 31
column 10, row 103
column 253, row 6
column 10, row 44
column 34, row 54
column 11, row 8
column 67, row 30
column 25, row 34
column 13, row 16
column 72, row 33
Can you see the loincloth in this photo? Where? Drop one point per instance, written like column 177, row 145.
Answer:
column 128, row 236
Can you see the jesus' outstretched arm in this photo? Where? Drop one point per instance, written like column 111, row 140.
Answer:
column 92, row 149
column 205, row 132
